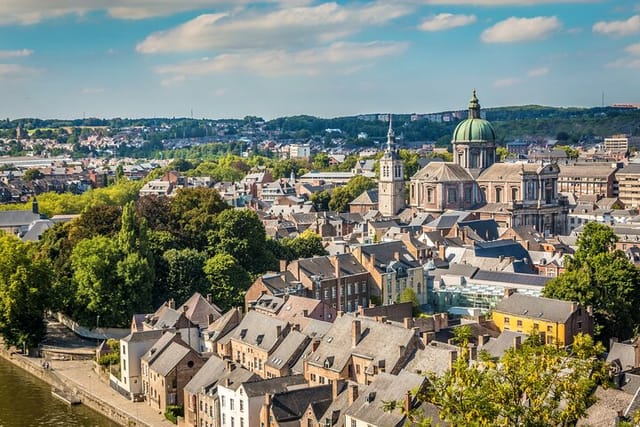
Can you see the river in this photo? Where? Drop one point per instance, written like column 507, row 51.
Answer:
column 26, row 401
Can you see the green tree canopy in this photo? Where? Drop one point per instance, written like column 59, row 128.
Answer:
column 228, row 281
column 25, row 282
column 603, row 278
column 306, row 245
column 342, row 196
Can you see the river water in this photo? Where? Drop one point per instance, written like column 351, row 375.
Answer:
column 26, row 401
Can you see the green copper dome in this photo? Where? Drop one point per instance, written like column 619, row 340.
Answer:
column 474, row 129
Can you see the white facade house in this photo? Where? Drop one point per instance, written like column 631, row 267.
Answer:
column 132, row 348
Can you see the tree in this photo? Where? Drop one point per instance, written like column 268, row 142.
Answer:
column 306, row 245
column 241, row 234
column 321, row 161
column 409, row 295
column 603, row 278
column 228, row 281
column 32, row 174
column 103, row 220
column 533, row 385
column 502, row 153
column 25, row 282
column 321, row 200
column 193, row 212
column 184, row 274
column 342, row 196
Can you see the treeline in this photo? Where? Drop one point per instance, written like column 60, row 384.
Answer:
column 114, row 262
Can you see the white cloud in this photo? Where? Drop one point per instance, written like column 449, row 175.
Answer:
column 28, row 12
column 15, row 53
column 633, row 63
column 444, row 21
column 538, row 72
column 506, row 82
column 339, row 57
column 633, row 49
column 521, row 29
column 15, row 71
column 501, row 2
column 282, row 28
column 618, row 28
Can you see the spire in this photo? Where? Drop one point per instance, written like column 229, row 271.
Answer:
column 391, row 136
column 474, row 107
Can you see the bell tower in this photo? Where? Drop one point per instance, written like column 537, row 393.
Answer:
column 391, row 198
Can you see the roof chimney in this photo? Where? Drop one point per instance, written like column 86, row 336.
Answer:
column 508, row 292
column 442, row 252
column 408, row 322
column 396, row 256
column 335, row 388
column 278, row 330
column 427, row 337
column 209, row 300
column 407, row 402
column 356, row 332
column 352, row 393
column 172, row 303
column 483, row 339
column 283, row 265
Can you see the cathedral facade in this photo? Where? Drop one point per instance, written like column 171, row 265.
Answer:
column 513, row 194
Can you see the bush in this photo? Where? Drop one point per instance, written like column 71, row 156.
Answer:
column 109, row 359
column 173, row 412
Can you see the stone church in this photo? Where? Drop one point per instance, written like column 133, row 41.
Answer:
column 514, row 194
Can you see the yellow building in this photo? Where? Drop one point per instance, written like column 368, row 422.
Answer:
column 558, row 321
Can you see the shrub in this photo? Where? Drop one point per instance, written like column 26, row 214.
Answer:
column 173, row 412
column 109, row 359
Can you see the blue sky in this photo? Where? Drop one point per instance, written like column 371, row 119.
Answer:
column 224, row 58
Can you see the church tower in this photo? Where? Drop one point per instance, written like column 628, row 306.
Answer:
column 391, row 183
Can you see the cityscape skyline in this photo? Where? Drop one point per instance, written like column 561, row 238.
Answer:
column 223, row 59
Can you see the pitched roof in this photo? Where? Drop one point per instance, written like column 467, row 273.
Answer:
column 498, row 248
column 263, row 387
column 139, row 336
column 368, row 407
column 442, row 172
column 208, row 374
column 17, row 218
column 199, row 310
column 367, row 197
column 224, row 324
column 168, row 359
column 379, row 342
column 259, row 330
column 291, row 405
column 385, row 255
column 511, row 278
column 549, row 309
column 496, row 347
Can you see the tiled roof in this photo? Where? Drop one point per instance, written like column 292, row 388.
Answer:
column 536, row 307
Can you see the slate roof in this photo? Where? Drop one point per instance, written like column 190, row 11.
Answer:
column 442, row 171
column 262, row 387
column 496, row 347
column 378, row 342
column 224, row 324
column 434, row 358
column 168, row 359
column 385, row 254
column 367, row 197
column 159, row 346
column 624, row 353
column 368, row 406
column 536, row 307
column 36, row 229
column 140, row 336
column 509, row 171
column 448, row 219
column 291, row 405
column 258, row 330
column 199, row 309
column 483, row 230
column 498, row 248
column 322, row 266
column 17, row 218
column 288, row 351
column 591, row 170
column 508, row 278
column 207, row 375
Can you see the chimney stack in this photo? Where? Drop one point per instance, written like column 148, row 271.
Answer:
column 508, row 292
column 336, row 385
column 442, row 252
column 278, row 330
column 172, row 303
column 427, row 337
column 209, row 300
column 352, row 393
column 483, row 339
column 407, row 402
column 283, row 265
column 356, row 332
column 408, row 322
column 396, row 256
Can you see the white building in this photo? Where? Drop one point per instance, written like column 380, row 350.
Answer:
column 132, row 348
column 300, row 151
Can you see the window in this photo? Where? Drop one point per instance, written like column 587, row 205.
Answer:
column 452, row 195
column 506, row 320
column 353, row 423
column 519, row 323
column 549, row 328
column 536, row 327
column 579, row 325
column 231, row 407
column 514, row 193
column 429, row 195
column 498, row 194
column 222, row 401
column 467, row 194
column 224, row 420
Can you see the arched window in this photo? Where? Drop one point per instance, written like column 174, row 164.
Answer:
column 429, row 195
column 498, row 194
column 514, row 194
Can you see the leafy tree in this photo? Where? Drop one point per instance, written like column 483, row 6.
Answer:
column 156, row 211
column 306, row 245
column 136, row 279
column 533, row 385
column 193, row 212
column 24, row 290
column 321, row 200
column 185, row 273
column 409, row 295
column 32, row 174
column 228, row 281
column 342, row 196
column 321, row 161
column 502, row 153
column 241, row 234
column 603, row 278
column 103, row 220
column 572, row 153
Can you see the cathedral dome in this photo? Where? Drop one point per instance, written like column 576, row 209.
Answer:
column 474, row 129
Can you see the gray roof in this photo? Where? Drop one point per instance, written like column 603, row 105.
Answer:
column 169, row 358
column 624, row 353
column 262, row 387
column 224, row 324
column 497, row 346
column 385, row 254
column 323, row 266
column 379, row 342
column 435, row 358
column 549, row 309
column 258, row 330
column 515, row 278
column 17, row 218
column 210, row 373
column 36, row 229
column 448, row 219
column 158, row 347
column 291, row 405
column 368, row 406
column 288, row 349
column 140, row 336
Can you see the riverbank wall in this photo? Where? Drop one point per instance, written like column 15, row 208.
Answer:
column 90, row 400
